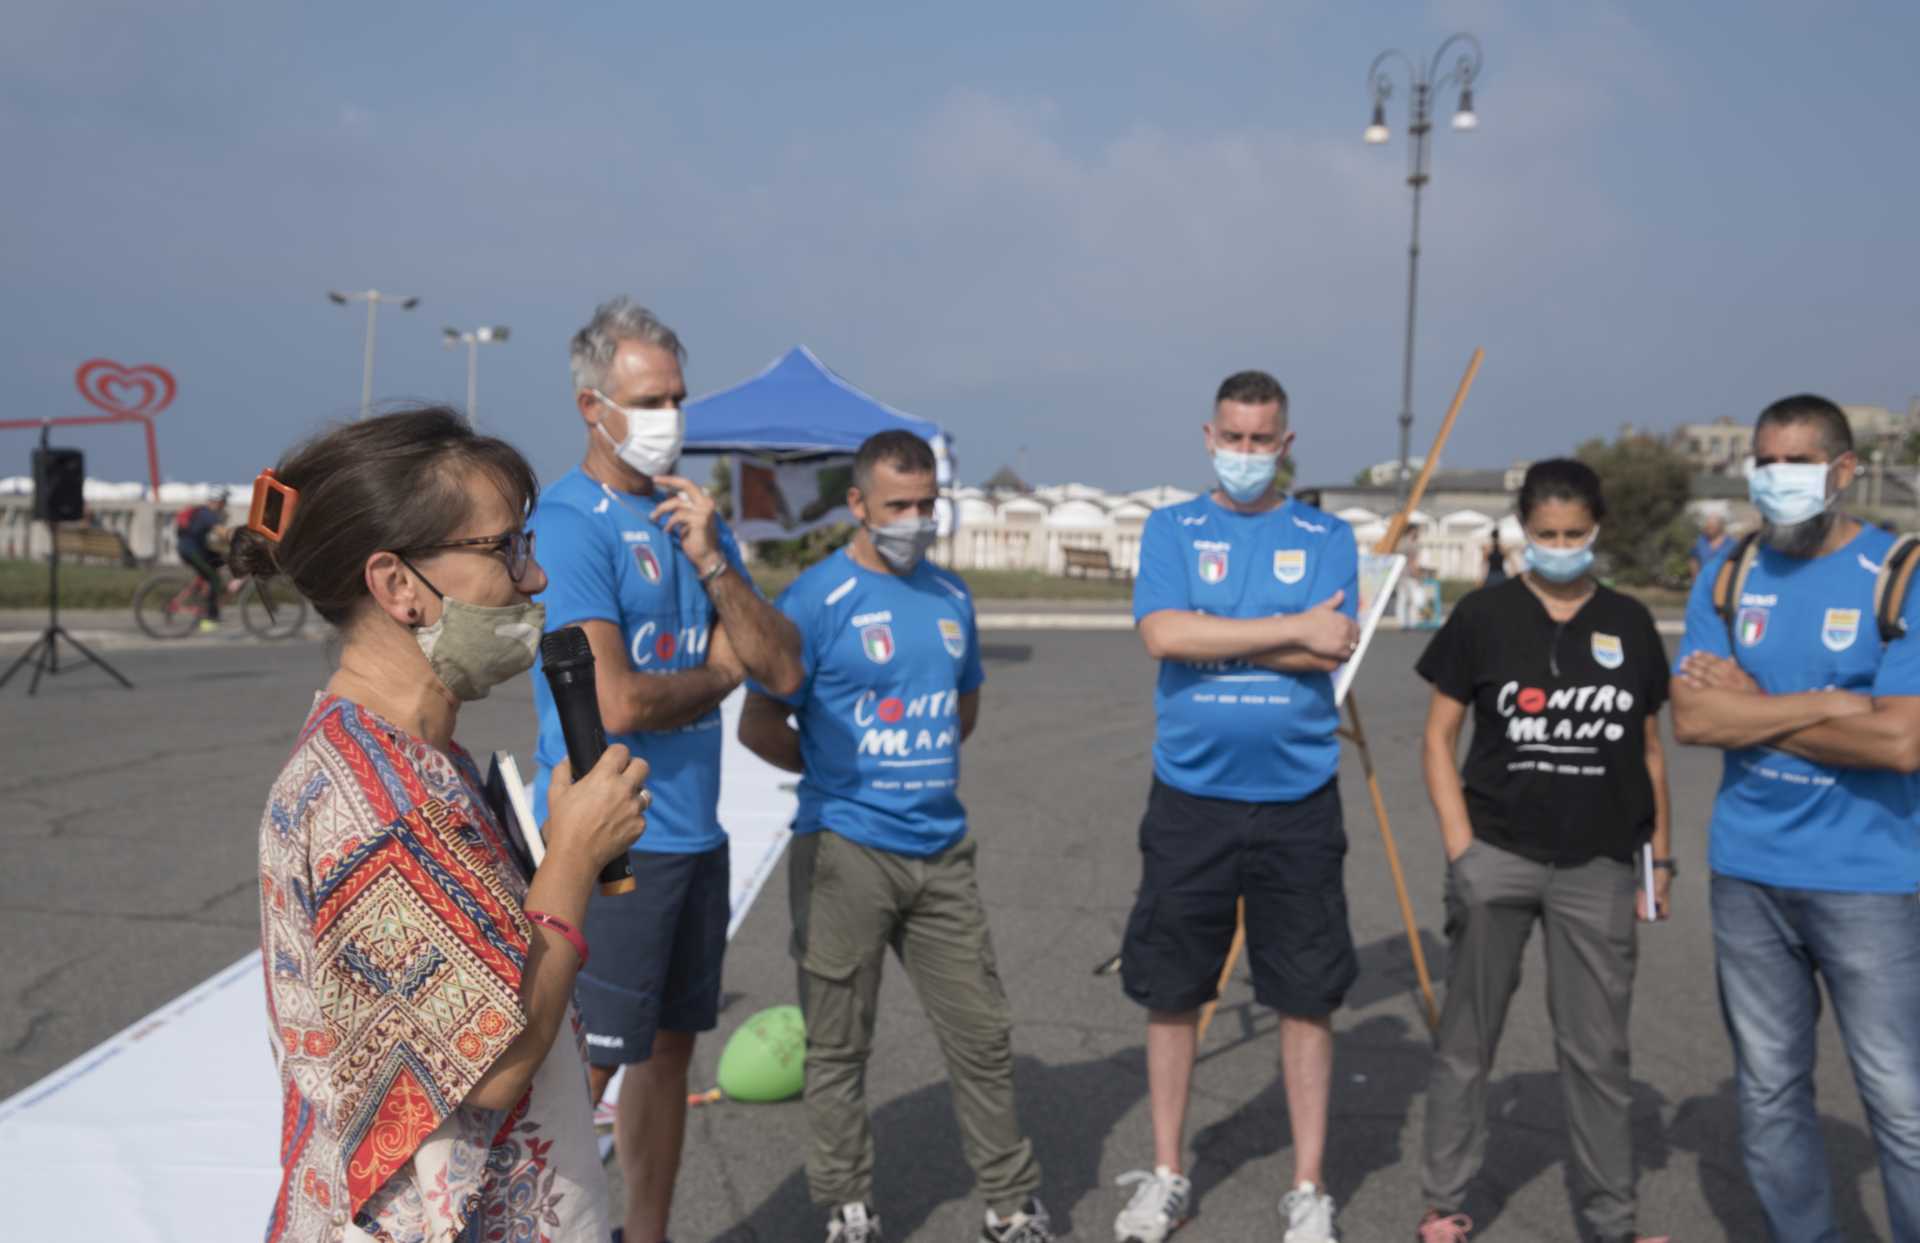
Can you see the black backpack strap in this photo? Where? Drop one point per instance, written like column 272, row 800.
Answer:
column 1730, row 580
column 1891, row 585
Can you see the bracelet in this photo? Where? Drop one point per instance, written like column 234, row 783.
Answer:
column 718, row 569
column 565, row 929
column 1667, row 865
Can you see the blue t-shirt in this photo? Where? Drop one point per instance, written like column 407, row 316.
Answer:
column 1803, row 625
column 887, row 658
column 607, row 560
column 1228, row 729
column 1705, row 550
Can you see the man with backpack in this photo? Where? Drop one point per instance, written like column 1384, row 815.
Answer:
column 193, row 534
column 1799, row 662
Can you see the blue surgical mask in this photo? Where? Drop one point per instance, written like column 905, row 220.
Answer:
column 1561, row 565
column 1789, row 493
column 1245, row 476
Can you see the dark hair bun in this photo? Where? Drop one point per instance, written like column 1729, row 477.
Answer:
column 251, row 554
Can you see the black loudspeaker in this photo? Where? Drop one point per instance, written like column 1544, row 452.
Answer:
column 59, row 485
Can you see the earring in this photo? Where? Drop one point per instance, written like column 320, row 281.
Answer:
column 413, row 615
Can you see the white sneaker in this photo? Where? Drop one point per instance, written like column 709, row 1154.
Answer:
column 1309, row 1215
column 853, row 1223
column 1159, row 1206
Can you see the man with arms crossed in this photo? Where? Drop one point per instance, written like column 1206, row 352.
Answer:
column 882, row 858
column 1247, row 600
column 638, row 558
column 1815, row 844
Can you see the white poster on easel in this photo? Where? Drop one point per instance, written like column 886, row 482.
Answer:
column 1379, row 574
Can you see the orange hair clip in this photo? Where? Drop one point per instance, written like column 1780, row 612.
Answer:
column 273, row 506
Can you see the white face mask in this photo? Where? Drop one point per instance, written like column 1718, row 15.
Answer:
column 653, row 438
column 1789, row 493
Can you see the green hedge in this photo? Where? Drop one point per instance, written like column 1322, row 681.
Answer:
column 23, row 585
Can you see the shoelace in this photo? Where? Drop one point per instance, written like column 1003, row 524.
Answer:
column 858, row 1228
column 1152, row 1193
column 1025, row 1229
column 1446, row 1229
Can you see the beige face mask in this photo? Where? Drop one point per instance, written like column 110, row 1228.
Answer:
column 472, row 649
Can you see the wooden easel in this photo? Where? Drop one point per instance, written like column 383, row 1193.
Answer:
column 1357, row 735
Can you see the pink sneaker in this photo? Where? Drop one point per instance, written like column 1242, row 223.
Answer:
column 1437, row 1229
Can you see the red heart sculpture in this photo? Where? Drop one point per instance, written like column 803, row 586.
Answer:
column 130, row 392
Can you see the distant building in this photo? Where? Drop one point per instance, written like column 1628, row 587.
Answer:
column 1718, row 448
column 1383, row 474
column 1876, row 427
column 1723, row 446
column 1005, row 480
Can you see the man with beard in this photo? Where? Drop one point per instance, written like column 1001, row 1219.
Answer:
column 1815, row 855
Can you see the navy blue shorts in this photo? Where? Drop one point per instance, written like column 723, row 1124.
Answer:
column 1199, row 857
column 656, row 955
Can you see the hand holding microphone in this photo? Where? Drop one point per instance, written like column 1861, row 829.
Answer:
column 603, row 813
column 601, row 816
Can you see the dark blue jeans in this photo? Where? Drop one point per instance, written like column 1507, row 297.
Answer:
column 1773, row 946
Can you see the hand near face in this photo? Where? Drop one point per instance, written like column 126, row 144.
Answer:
column 692, row 518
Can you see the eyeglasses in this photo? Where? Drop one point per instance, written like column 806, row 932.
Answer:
column 516, row 547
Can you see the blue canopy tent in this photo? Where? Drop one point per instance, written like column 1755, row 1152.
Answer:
column 803, row 423
column 796, row 408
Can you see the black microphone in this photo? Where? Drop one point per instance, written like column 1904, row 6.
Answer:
column 568, row 660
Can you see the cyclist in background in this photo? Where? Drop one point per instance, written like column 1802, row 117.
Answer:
column 195, row 532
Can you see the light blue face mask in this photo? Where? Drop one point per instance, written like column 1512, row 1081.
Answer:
column 1789, row 493
column 1561, row 565
column 1245, row 476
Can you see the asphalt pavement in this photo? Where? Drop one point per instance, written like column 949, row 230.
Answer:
column 129, row 837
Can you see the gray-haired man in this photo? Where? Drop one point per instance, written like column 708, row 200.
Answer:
column 675, row 623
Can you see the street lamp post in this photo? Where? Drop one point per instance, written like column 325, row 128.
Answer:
column 1424, row 86
column 373, row 298
column 451, row 337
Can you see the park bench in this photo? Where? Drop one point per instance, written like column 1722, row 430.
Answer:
column 93, row 544
column 1089, row 560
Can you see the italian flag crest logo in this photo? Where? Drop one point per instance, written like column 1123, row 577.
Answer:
column 877, row 642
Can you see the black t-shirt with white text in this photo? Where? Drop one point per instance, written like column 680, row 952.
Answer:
column 1557, row 769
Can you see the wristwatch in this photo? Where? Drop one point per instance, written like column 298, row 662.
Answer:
column 1667, row 865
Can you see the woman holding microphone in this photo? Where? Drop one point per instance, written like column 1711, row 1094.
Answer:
column 418, row 982
column 1563, row 786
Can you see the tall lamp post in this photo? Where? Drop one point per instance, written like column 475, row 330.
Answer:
column 373, row 298
column 451, row 337
column 1424, row 86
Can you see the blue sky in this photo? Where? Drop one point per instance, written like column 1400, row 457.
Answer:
column 1051, row 227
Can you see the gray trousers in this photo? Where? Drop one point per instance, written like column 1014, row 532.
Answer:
column 1493, row 899
column 851, row 904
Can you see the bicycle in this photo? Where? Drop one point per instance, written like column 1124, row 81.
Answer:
column 171, row 603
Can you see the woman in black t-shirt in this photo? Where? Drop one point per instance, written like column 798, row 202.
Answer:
column 1563, row 786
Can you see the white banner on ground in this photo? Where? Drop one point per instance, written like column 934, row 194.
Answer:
column 171, row 1129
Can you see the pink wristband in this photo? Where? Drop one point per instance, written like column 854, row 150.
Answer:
column 565, row 929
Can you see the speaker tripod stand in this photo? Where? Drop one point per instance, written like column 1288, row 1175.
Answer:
column 44, row 655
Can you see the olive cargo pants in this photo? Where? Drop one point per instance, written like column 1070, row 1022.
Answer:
column 850, row 905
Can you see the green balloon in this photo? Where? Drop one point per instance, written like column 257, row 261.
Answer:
column 766, row 1059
